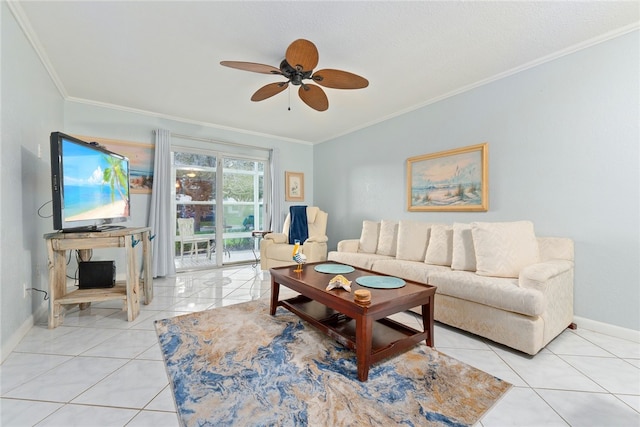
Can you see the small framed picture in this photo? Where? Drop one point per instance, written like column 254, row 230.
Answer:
column 294, row 182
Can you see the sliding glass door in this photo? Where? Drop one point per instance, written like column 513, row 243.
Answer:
column 224, row 197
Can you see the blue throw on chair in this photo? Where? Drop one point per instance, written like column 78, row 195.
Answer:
column 298, row 229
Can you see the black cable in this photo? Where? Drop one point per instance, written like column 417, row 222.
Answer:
column 68, row 262
column 42, row 206
column 46, row 295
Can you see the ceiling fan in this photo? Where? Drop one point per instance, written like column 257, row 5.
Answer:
column 300, row 59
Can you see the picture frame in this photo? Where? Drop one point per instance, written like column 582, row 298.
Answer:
column 452, row 180
column 141, row 159
column 294, row 186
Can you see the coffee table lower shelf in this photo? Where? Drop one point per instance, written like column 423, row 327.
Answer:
column 388, row 336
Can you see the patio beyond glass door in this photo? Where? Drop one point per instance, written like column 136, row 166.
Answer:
column 242, row 207
column 195, row 199
column 223, row 196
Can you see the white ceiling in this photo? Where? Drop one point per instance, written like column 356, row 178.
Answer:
column 163, row 58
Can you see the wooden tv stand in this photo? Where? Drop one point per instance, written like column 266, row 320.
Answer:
column 84, row 242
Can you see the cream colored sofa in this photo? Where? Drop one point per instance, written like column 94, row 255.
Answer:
column 275, row 250
column 496, row 280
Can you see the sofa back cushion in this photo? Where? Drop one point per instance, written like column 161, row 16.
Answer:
column 413, row 239
column 369, row 237
column 504, row 248
column 388, row 239
column 464, row 255
column 439, row 251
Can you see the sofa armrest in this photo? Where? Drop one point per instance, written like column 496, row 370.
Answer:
column 276, row 237
column 536, row 276
column 317, row 239
column 349, row 245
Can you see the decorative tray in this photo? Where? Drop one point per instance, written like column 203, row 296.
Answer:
column 334, row 268
column 380, row 282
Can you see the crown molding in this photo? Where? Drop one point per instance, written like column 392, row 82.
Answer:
column 181, row 119
column 27, row 30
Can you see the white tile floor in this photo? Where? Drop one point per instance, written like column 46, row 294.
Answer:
column 100, row 370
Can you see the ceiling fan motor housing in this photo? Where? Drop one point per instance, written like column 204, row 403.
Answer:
column 293, row 74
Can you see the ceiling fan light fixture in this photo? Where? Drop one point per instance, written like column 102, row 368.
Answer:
column 304, row 55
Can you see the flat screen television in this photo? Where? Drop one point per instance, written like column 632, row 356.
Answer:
column 89, row 185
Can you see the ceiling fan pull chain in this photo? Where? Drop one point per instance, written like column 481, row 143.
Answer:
column 289, row 99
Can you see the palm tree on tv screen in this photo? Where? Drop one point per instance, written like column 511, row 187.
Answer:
column 116, row 176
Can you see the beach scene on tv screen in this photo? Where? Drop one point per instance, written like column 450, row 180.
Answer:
column 95, row 184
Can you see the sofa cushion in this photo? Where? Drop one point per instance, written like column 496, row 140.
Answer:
column 504, row 248
column 440, row 247
column 356, row 259
column 388, row 239
column 413, row 238
column 369, row 237
column 498, row 292
column 464, row 256
column 408, row 270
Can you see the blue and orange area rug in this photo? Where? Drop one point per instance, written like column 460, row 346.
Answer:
column 239, row 366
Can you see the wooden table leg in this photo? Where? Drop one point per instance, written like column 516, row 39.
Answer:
column 147, row 273
column 275, row 292
column 364, row 335
column 427, row 321
column 133, row 283
column 57, row 283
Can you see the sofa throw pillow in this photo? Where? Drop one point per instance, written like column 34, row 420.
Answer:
column 388, row 239
column 413, row 239
column 464, row 255
column 440, row 249
column 504, row 248
column 369, row 237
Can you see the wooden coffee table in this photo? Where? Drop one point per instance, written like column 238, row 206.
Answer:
column 362, row 328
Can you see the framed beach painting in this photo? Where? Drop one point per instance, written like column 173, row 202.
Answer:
column 140, row 157
column 453, row 180
column 294, row 182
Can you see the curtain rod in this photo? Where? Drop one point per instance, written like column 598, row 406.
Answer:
column 194, row 138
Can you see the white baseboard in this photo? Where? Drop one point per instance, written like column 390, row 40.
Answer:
column 605, row 328
column 12, row 342
column 17, row 336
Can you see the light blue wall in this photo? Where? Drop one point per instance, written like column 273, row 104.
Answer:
column 31, row 108
column 563, row 152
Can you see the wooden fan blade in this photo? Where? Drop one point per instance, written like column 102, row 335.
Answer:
column 251, row 66
column 302, row 54
column 338, row 79
column 269, row 90
column 314, row 97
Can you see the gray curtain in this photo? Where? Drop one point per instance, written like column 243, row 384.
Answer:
column 160, row 219
column 276, row 219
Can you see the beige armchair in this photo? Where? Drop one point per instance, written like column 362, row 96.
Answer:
column 275, row 250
